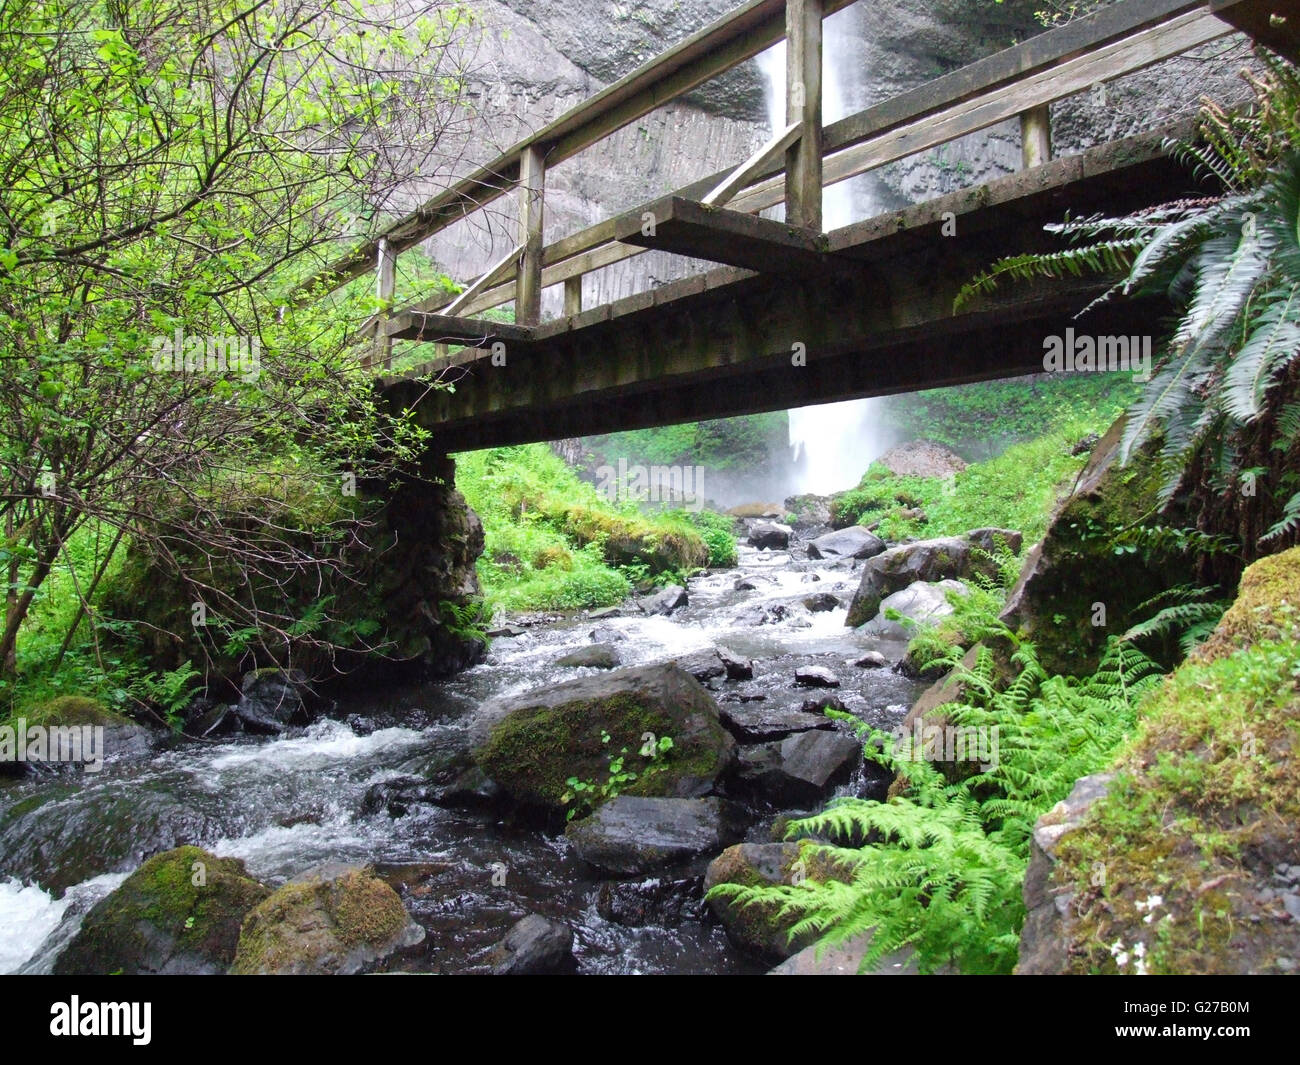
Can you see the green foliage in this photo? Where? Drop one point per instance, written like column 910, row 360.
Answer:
column 943, row 867
column 553, row 542
column 979, row 421
column 1187, row 612
column 742, row 444
column 1017, row 490
column 1232, row 264
column 583, row 796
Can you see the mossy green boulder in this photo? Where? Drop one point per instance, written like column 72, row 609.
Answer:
column 178, row 914
column 1188, row 864
column 533, row 745
column 334, row 919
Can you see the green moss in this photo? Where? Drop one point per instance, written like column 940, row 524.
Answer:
column 304, row 924
column 1206, row 801
column 185, row 904
column 73, row 710
column 537, row 752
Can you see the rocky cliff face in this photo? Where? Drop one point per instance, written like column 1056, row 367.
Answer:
column 534, row 61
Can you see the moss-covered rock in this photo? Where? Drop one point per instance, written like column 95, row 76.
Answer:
column 531, row 745
column 179, row 913
column 335, row 919
column 760, row 929
column 1075, row 591
column 1188, row 864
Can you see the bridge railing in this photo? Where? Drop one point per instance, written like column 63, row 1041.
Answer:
column 802, row 159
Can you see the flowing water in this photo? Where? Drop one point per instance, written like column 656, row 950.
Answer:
column 288, row 803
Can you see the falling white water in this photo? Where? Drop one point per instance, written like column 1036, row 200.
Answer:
column 833, row 444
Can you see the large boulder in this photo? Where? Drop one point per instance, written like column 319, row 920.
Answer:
column 666, row 600
column 853, row 542
column 272, row 699
column 770, row 535
column 57, row 738
column 533, row 946
column 921, row 458
column 1075, row 591
column 628, row 835
column 920, row 602
column 334, row 919
column 532, row 744
column 761, row 928
column 596, row 656
column 178, row 914
column 798, row 770
column 930, row 561
column 754, row 722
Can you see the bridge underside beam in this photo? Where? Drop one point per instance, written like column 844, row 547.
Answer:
column 1275, row 23
column 732, row 342
column 714, row 234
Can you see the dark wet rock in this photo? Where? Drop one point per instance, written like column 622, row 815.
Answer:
column 815, row 677
column 533, row 946
column 672, row 598
column 629, row 836
column 361, row 726
column 597, row 656
column 456, row 782
column 531, row 744
column 852, row 542
column 659, row 901
column 331, row 919
column 754, row 722
column 508, row 631
column 206, row 717
column 872, row 660
column 821, row 603
column 273, row 699
column 704, row 666
column 770, row 535
column 178, row 914
column 737, row 667
column 802, row 768
column 810, row 578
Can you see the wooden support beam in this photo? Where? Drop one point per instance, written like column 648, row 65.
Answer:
column 532, row 207
column 573, row 296
column 715, row 234
column 385, row 287
column 803, row 106
column 1036, row 136
column 491, row 277
column 756, row 163
column 450, row 329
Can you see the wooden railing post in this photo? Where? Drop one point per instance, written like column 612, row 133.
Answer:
column 803, row 173
column 532, row 203
column 385, row 287
column 1036, row 136
column 573, row 296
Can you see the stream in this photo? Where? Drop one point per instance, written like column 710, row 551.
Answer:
column 284, row 804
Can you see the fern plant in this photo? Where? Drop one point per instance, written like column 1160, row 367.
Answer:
column 943, row 868
column 1232, row 263
column 1190, row 613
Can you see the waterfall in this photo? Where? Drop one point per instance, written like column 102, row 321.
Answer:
column 832, row 443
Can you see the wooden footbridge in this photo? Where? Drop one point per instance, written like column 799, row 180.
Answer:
column 791, row 315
